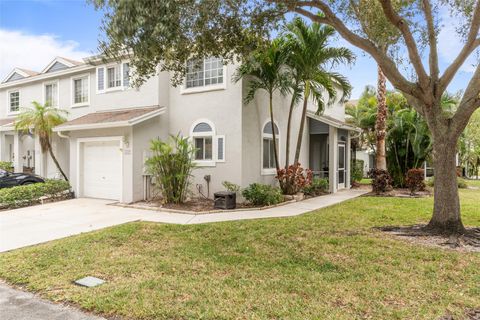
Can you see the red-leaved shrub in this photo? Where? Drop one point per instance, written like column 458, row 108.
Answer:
column 381, row 180
column 415, row 180
column 294, row 178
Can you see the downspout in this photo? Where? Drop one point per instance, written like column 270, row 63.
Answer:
column 61, row 135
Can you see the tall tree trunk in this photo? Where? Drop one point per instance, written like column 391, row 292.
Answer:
column 275, row 150
column 302, row 122
column 50, row 151
column 289, row 129
column 381, row 123
column 446, row 217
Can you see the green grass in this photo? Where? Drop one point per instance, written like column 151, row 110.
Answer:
column 366, row 181
column 329, row 264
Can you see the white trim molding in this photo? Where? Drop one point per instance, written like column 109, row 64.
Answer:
column 9, row 111
column 269, row 171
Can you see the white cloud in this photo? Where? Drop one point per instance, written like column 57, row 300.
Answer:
column 33, row 52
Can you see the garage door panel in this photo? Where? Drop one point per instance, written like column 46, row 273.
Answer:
column 102, row 170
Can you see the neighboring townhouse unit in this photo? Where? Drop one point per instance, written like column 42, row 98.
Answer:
column 104, row 144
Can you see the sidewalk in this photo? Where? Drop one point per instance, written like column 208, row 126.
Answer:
column 19, row 305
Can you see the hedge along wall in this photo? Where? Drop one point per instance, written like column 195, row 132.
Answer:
column 22, row 196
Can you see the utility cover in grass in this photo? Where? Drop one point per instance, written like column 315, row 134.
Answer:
column 89, row 282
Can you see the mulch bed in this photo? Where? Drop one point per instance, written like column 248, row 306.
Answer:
column 194, row 205
column 400, row 193
column 468, row 242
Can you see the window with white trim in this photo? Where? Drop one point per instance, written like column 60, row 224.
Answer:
column 51, row 94
column 80, row 90
column 209, row 147
column 204, row 72
column 113, row 77
column 268, row 150
column 14, row 100
column 203, row 141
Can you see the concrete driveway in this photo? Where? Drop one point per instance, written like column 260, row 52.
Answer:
column 32, row 225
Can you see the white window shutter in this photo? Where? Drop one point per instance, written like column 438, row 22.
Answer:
column 100, row 79
column 220, row 148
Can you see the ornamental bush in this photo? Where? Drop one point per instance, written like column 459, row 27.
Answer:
column 6, row 165
column 294, row 178
column 317, row 187
column 21, row 196
column 415, row 180
column 356, row 171
column 171, row 166
column 381, row 180
column 262, row 194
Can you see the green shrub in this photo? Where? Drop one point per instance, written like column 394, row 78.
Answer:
column 317, row 187
column 461, row 183
column 171, row 167
column 262, row 194
column 6, row 165
column 26, row 195
column 356, row 170
column 230, row 186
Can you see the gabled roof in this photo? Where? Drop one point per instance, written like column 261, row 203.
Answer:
column 111, row 119
column 332, row 121
column 60, row 63
column 19, row 73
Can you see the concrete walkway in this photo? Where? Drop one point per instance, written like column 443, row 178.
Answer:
column 33, row 225
column 19, row 305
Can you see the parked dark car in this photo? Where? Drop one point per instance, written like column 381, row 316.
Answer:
column 12, row 179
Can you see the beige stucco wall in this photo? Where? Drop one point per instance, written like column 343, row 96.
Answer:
column 224, row 109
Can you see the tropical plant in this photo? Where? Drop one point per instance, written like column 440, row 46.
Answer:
column 265, row 70
column 262, row 194
column 41, row 119
column 294, row 178
column 317, row 187
column 415, row 180
column 6, row 165
column 381, row 180
column 171, row 165
column 230, row 186
column 469, row 146
column 310, row 57
column 356, row 170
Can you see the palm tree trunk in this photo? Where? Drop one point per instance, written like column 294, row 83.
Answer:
column 50, row 151
column 275, row 150
column 289, row 129
column 302, row 122
column 381, row 123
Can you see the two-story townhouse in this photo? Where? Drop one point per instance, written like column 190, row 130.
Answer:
column 104, row 144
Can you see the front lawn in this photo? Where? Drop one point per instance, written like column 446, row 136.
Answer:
column 329, row 264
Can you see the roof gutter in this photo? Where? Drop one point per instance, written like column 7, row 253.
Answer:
column 106, row 125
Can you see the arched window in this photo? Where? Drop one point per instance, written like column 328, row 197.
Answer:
column 268, row 151
column 210, row 148
column 203, row 134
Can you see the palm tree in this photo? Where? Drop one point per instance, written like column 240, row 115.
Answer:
column 42, row 119
column 265, row 70
column 310, row 56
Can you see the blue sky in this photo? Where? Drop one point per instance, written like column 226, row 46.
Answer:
column 33, row 32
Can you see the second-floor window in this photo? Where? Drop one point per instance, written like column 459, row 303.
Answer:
column 14, row 101
column 204, row 72
column 51, row 94
column 114, row 76
column 80, row 90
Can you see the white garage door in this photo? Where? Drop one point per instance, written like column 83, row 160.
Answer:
column 102, row 170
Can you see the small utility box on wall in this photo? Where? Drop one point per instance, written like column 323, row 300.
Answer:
column 225, row 200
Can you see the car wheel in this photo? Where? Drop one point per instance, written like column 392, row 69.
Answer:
column 27, row 183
